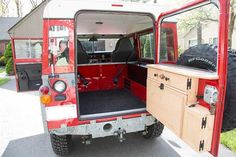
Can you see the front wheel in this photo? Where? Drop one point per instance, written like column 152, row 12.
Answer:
column 61, row 145
column 153, row 131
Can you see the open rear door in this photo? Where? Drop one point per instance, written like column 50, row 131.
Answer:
column 27, row 63
column 189, row 100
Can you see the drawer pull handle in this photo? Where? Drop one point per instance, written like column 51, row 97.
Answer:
column 155, row 75
column 162, row 76
column 162, row 86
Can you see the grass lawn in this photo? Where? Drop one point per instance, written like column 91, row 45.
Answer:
column 229, row 139
column 3, row 80
column 2, row 70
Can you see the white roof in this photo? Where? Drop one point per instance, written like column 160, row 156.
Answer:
column 68, row 8
column 111, row 23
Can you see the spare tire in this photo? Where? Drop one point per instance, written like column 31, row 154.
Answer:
column 205, row 57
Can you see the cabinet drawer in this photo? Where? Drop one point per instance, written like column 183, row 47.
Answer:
column 180, row 82
column 167, row 105
column 197, row 128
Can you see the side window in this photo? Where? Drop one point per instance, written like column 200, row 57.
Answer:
column 59, row 44
column 131, row 40
column 147, row 46
column 99, row 45
column 28, row 49
column 167, row 43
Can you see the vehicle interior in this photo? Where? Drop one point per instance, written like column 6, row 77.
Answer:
column 111, row 69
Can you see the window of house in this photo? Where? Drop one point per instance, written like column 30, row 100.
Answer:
column 192, row 42
column 147, row 46
column 26, row 49
column 215, row 41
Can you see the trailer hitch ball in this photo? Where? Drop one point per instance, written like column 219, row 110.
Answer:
column 120, row 134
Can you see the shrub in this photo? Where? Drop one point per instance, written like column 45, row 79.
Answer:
column 9, row 60
column 2, row 61
column 9, row 67
column 8, row 52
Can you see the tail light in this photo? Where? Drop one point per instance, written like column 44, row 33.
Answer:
column 44, row 90
column 45, row 98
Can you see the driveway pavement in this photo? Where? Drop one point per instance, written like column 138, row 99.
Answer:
column 21, row 134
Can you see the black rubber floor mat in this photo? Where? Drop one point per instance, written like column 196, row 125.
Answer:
column 108, row 101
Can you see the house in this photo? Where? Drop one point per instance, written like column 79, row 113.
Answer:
column 209, row 35
column 5, row 24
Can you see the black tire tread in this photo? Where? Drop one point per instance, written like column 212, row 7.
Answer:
column 153, row 131
column 61, row 145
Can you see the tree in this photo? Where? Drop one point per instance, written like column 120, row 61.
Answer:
column 4, row 7
column 197, row 19
column 19, row 6
column 34, row 3
column 147, row 50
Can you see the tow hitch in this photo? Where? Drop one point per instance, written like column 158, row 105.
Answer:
column 120, row 134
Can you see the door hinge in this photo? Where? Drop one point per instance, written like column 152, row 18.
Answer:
column 189, row 83
column 201, row 145
column 204, row 121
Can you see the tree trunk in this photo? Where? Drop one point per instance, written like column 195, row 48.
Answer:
column 18, row 8
column 231, row 23
column 34, row 3
column 199, row 33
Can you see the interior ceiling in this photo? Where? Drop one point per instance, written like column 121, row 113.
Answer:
column 111, row 23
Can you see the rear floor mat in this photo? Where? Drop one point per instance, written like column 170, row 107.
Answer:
column 108, row 101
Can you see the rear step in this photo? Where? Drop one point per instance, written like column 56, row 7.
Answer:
column 109, row 114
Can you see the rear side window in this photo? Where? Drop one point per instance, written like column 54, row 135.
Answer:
column 147, row 46
column 167, row 45
column 59, row 45
column 28, row 49
column 99, row 45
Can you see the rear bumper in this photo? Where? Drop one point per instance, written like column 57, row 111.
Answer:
column 96, row 129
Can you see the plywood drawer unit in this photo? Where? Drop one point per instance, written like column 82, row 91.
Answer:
column 167, row 105
column 181, row 82
column 172, row 99
column 198, row 127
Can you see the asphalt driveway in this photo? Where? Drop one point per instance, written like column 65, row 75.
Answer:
column 21, row 134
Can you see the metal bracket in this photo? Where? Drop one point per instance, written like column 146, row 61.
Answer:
column 213, row 109
column 189, row 83
column 201, row 145
column 86, row 140
column 204, row 121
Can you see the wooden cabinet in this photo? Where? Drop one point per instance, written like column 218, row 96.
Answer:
column 171, row 89
column 198, row 127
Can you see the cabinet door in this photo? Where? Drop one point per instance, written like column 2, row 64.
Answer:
column 198, row 127
column 166, row 104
